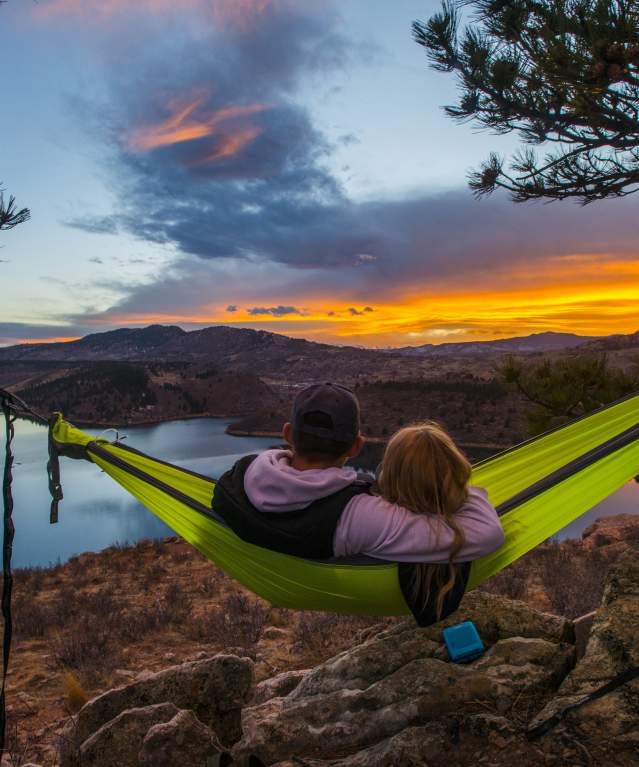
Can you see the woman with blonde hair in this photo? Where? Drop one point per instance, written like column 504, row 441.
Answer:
column 424, row 472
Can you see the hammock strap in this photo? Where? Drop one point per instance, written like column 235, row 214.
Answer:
column 7, row 549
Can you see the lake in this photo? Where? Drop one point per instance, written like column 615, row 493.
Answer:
column 96, row 512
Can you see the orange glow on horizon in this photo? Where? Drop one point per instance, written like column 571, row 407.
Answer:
column 582, row 307
column 56, row 340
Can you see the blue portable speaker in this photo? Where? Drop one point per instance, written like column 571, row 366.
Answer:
column 463, row 642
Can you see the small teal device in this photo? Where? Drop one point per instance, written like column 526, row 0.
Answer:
column 463, row 642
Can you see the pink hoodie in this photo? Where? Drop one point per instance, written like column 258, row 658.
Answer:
column 369, row 524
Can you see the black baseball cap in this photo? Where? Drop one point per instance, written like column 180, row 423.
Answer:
column 326, row 410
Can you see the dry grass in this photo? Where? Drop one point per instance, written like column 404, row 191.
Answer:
column 76, row 695
column 320, row 635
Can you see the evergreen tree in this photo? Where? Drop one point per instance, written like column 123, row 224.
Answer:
column 566, row 388
column 563, row 73
column 9, row 216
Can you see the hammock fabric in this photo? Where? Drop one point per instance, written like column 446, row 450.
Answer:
column 538, row 488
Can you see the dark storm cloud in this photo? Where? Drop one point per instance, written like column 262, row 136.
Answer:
column 231, row 308
column 214, row 156
column 15, row 332
column 274, row 311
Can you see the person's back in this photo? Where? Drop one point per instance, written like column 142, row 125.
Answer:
column 305, row 501
column 307, row 488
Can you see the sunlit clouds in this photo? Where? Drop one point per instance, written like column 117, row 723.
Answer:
column 191, row 120
column 237, row 12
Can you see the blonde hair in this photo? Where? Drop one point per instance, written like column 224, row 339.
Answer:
column 424, row 471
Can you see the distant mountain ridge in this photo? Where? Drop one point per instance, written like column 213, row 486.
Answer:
column 536, row 342
column 172, row 343
column 232, row 349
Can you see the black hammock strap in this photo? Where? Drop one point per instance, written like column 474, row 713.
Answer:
column 53, row 473
column 617, row 681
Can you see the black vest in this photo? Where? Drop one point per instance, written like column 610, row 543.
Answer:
column 309, row 533
column 306, row 533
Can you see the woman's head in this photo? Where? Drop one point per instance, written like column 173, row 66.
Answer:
column 424, row 471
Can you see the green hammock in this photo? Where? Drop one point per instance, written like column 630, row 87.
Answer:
column 538, row 488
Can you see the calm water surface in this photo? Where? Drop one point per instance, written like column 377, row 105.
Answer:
column 96, row 512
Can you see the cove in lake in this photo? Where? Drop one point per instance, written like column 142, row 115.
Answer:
column 96, row 512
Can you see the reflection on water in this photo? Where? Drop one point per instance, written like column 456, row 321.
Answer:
column 96, row 512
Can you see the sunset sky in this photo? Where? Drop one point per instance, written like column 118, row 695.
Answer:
column 276, row 164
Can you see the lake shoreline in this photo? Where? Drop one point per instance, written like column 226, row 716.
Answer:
column 271, row 434
column 86, row 424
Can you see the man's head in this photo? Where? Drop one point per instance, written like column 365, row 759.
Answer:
column 324, row 425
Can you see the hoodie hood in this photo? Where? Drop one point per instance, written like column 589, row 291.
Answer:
column 272, row 484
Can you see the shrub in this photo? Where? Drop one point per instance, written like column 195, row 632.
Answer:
column 240, row 621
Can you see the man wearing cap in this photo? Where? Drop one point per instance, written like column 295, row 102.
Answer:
column 306, row 502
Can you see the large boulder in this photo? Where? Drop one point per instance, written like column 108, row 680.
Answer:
column 365, row 700
column 183, row 740
column 116, row 743
column 349, row 719
column 612, row 649
column 215, row 689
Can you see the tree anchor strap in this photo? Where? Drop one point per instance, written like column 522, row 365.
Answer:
column 7, row 550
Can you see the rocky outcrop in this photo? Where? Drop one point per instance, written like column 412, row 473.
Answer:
column 214, row 689
column 612, row 649
column 613, row 533
column 394, row 693
column 395, row 699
